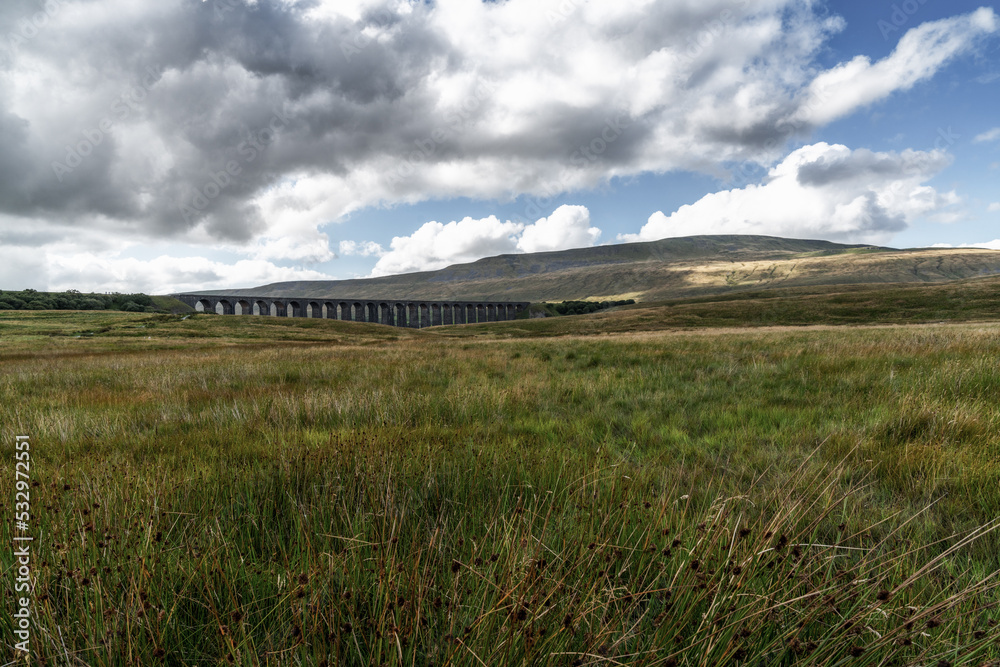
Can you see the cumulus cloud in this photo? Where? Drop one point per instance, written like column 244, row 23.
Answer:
column 567, row 227
column 252, row 124
column 993, row 207
column 435, row 245
column 820, row 191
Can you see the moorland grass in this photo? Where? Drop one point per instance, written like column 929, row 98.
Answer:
column 972, row 300
column 365, row 496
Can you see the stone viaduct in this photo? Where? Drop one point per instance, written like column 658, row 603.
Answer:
column 410, row 313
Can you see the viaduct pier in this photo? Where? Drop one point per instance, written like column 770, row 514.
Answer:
column 410, row 313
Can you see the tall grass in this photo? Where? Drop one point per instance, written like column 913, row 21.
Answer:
column 770, row 498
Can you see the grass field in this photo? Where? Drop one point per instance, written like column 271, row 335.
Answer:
column 595, row 490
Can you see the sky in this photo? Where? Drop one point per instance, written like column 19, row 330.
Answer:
column 185, row 145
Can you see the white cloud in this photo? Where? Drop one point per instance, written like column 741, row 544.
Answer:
column 567, row 227
column 989, row 245
column 436, row 245
column 989, row 135
column 920, row 53
column 994, row 207
column 305, row 250
column 819, row 191
column 164, row 274
column 362, row 249
column 329, row 107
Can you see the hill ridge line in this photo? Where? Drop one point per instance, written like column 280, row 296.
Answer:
column 655, row 270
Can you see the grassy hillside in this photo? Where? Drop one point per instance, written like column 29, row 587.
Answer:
column 264, row 491
column 666, row 269
column 975, row 299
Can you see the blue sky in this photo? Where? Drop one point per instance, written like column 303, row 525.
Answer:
column 229, row 143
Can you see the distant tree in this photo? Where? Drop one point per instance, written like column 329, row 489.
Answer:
column 30, row 299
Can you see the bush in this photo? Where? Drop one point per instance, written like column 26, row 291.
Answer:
column 584, row 307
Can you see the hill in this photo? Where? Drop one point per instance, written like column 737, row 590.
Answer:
column 659, row 270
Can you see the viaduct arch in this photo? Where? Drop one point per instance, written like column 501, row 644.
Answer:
column 413, row 313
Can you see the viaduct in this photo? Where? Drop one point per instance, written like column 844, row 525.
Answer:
column 415, row 314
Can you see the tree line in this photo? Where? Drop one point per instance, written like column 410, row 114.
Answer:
column 584, row 307
column 30, row 299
